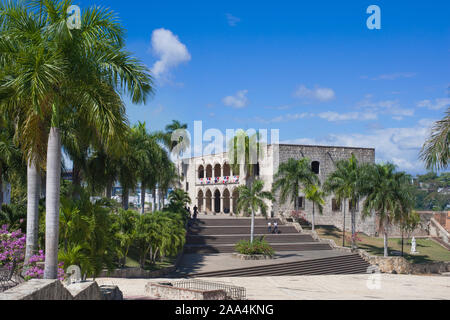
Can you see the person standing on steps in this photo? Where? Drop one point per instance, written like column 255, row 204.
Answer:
column 275, row 227
column 195, row 213
column 269, row 226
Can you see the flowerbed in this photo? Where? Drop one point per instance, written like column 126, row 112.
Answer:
column 257, row 247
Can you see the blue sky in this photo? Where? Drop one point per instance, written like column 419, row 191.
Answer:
column 309, row 68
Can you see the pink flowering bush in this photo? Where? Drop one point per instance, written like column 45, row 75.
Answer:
column 12, row 249
column 35, row 267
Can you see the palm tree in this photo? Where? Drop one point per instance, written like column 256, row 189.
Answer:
column 314, row 194
column 179, row 198
column 345, row 183
column 176, row 140
column 251, row 199
column 436, row 150
column 291, row 176
column 388, row 193
column 245, row 150
column 82, row 71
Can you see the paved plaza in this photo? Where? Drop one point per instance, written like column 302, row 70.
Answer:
column 324, row 287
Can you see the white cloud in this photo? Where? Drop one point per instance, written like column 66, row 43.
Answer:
column 335, row 116
column 239, row 100
column 232, row 20
column 283, row 118
column 169, row 50
column 400, row 146
column 439, row 103
column 391, row 107
column 321, row 94
column 392, row 76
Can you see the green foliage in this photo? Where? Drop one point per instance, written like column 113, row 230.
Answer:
column 436, row 150
column 258, row 246
column 291, row 176
column 431, row 191
column 85, row 234
column 159, row 234
column 14, row 215
column 251, row 199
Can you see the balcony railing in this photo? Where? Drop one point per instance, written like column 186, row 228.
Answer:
column 218, row 180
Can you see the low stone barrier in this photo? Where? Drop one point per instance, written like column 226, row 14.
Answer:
column 169, row 292
column 137, row 273
column 44, row 289
column 251, row 256
column 88, row 290
column 396, row 264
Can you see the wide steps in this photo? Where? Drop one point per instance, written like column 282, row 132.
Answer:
column 234, row 222
column 232, row 239
column 207, row 249
column 237, row 230
column 346, row 264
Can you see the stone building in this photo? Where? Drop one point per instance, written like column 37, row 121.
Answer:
column 212, row 184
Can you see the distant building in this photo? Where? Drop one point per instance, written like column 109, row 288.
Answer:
column 212, row 185
column 6, row 193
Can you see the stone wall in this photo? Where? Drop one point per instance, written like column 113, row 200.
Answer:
column 168, row 292
column 397, row 265
column 43, row 289
column 327, row 158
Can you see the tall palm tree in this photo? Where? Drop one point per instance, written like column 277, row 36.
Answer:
column 436, row 150
column 291, row 177
column 314, row 194
column 84, row 70
column 251, row 199
column 176, row 140
column 388, row 193
column 245, row 150
column 345, row 183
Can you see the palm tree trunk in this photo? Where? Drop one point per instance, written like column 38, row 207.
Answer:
column 125, row 198
column 76, row 179
column 1, row 187
column 252, row 227
column 353, row 227
column 33, row 195
column 313, row 220
column 343, row 228
column 142, row 198
column 108, row 192
column 402, row 243
column 385, row 243
column 52, row 203
column 154, row 200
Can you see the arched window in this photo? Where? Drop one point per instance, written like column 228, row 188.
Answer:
column 217, row 171
column 201, row 172
column 315, row 167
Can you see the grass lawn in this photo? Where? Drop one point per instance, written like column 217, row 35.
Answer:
column 133, row 261
column 428, row 249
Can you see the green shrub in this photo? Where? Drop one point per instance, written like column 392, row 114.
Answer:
column 259, row 246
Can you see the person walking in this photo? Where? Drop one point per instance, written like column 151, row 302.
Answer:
column 275, row 227
column 269, row 226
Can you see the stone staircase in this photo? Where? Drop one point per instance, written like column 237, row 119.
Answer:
column 217, row 236
column 346, row 264
column 220, row 236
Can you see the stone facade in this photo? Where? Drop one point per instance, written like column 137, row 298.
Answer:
column 212, row 184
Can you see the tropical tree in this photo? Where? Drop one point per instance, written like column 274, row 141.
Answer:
column 408, row 222
column 125, row 231
column 345, row 183
column 314, row 194
column 245, row 150
column 436, row 150
column 83, row 71
column 251, row 199
column 179, row 198
column 388, row 194
column 291, row 176
column 176, row 139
